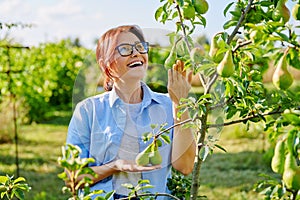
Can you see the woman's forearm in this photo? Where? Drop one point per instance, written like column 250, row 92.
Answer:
column 183, row 146
column 102, row 172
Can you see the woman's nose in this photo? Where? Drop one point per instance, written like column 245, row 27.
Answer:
column 134, row 52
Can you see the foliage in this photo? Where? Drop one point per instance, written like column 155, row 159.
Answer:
column 234, row 92
column 139, row 191
column 156, row 74
column 179, row 185
column 74, row 167
column 224, row 175
column 44, row 77
column 10, row 187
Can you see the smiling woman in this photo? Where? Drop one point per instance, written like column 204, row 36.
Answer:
column 109, row 127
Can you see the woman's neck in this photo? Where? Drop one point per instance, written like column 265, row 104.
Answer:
column 129, row 92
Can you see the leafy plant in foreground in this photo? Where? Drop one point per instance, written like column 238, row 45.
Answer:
column 74, row 167
column 13, row 188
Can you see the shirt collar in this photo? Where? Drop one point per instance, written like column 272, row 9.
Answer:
column 148, row 96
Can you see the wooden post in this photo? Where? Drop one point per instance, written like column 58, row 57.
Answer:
column 13, row 100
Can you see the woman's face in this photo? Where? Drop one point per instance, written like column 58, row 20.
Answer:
column 131, row 67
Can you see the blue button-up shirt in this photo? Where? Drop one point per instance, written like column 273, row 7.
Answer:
column 98, row 123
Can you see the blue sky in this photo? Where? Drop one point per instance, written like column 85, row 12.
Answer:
column 57, row 19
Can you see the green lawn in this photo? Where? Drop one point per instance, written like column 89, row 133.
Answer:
column 40, row 146
column 224, row 176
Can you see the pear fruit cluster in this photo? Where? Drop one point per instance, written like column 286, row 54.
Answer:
column 281, row 12
column 150, row 155
column 282, row 79
column 284, row 162
column 190, row 9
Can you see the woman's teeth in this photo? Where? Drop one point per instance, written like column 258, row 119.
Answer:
column 135, row 64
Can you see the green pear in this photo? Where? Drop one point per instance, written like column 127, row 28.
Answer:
column 170, row 60
column 188, row 11
column 155, row 158
column 142, row 158
column 291, row 174
column 197, row 55
column 290, row 141
column 277, row 163
column 282, row 79
column 201, row 6
column 226, row 67
column 296, row 11
column 214, row 48
column 281, row 11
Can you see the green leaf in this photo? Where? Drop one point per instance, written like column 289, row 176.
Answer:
column 165, row 138
column 63, row 176
column 159, row 143
column 219, row 120
column 158, row 13
column 229, row 23
column 220, row 147
column 292, row 118
column 227, row 8
column 2, row 194
column 283, row 36
column 204, row 151
column 19, row 194
column 3, row 179
column 143, row 181
column 180, row 2
column 19, row 179
column 97, row 198
column 147, row 186
column 109, row 195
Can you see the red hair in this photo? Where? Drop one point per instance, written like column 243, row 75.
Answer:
column 106, row 48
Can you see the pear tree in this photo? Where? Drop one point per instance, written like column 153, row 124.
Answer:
column 259, row 36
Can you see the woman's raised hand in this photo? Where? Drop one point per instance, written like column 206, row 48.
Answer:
column 179, row 82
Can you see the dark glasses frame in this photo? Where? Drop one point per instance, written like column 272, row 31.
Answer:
column 144, row 44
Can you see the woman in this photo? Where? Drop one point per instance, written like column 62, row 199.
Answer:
column 109, row 127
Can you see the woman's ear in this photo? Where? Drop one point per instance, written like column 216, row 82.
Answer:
column 101, row 64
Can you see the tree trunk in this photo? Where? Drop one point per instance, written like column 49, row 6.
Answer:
column 196, row 171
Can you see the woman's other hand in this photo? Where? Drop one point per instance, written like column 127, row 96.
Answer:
column 131, row 166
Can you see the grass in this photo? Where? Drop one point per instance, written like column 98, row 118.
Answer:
column 40, row 146
column 224, row 176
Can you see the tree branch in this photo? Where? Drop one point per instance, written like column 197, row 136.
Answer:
column 211, row 82
column 183, row 28
column 242, row 120
column 150, row 194
column 220, row 105
column 203, row 82
column 241, row 45
column 173, row 126
column 239, row 24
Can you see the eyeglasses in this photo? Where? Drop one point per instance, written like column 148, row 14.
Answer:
column 127, row 49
